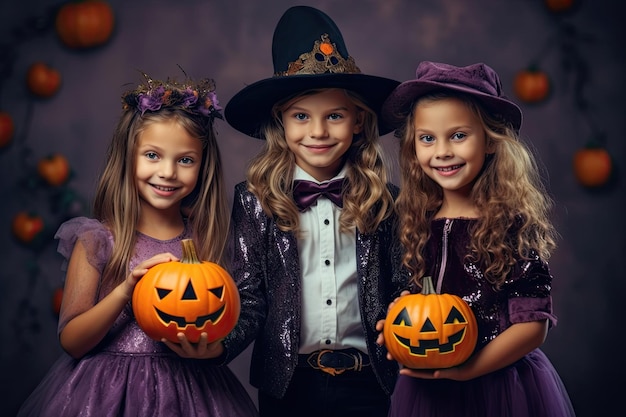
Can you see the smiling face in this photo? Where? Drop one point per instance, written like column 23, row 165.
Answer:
column 450, row 144
column 319, row 129
column 168, row 161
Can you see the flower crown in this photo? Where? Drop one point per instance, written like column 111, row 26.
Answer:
column 197, row 98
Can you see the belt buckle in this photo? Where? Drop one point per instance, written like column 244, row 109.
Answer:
column 314, row 360
column 328, row 369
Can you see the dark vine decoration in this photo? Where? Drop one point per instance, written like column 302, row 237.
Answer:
column 54, row 204
column 592, row 164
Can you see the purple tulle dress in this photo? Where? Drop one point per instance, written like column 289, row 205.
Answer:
column 530, row 387
column 129, row 374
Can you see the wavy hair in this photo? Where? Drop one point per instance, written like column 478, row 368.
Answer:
column 367, row 201
column 116, row 202
column 509, row 193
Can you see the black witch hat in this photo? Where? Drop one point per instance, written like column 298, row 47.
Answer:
column 309, row 52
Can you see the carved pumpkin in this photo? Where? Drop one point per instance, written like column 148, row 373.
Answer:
column 429, row 330
column 187, row 296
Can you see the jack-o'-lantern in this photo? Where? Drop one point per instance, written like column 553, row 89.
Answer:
column 429, row 330
column 187, row 296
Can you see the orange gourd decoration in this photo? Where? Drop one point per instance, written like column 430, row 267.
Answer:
column 7, row 129
column 557, row 6
column 187, row 296
column 430, row 330
column 531, row 85
column 85, row 24
column 27, row 227
column 592, row 166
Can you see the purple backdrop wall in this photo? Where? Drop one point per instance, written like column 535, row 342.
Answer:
column 230, row 42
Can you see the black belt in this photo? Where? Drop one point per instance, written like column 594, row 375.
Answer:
column 334, row 362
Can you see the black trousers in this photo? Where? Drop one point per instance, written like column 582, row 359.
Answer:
column 315, row 393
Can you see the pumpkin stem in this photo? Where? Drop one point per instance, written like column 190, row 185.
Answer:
column 190, row 256
column 427, row 286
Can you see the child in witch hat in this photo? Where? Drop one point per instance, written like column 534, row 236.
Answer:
column 315, row 274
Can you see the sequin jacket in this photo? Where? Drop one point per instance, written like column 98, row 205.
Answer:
column 266, row 268
column 524, row 295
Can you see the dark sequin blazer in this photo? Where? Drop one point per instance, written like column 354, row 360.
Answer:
column 265, row 265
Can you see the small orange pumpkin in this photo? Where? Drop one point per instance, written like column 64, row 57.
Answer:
column 27, row 227
column 43, row 80
column 559, row 5
column 187, row 296
column 6, row 129
column 430, row 330
column 531, row 85
column 592, row 166
column 54, row 169
column 85, row 24
column 57, row 299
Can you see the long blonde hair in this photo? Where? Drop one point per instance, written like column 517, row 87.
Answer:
column 509, row 194
column 367, row 201
column 116, row 202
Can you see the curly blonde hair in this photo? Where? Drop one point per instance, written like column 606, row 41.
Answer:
column 509, row 194
column 116, row 202
column 366, row 198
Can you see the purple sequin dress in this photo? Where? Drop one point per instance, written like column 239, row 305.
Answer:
column 531, row 386
column 129, row 374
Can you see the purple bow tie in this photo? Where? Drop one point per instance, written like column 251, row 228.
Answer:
column 306, row 193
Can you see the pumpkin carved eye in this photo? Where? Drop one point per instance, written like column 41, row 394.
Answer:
column 187, row 296
column 429, row 330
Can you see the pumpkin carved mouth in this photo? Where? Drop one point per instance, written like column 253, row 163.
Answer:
column 432, row 344
column 200, row 321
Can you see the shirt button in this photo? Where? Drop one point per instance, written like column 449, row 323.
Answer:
column 329, row 302
column 327, row 262
column 326, row 222
column 327, row 341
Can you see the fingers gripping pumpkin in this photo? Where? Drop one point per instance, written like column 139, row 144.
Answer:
column 429, row 330
column 186, row 296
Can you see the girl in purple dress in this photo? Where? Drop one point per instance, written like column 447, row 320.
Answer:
column 475, row 217
column 162, row 183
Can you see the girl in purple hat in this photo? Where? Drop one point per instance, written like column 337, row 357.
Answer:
column 315, row 274
column 474, row 216
column 162, row 183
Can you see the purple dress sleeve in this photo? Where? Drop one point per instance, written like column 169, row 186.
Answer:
column 98, row 243
column 96, row 238
column 529, row 287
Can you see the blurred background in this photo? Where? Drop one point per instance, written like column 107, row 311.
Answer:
column 563, row 61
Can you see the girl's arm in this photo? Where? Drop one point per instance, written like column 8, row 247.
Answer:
column 87, row 328
column 508, row 347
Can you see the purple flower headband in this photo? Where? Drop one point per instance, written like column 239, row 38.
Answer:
column 197, row 98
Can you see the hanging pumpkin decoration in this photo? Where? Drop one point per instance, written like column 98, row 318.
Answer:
column 6, row 129
column 187, row 296
column 27, row 227
column 557, row 6
column 57, row 299
column 43, row 80
column 54, row 169
column 592, row 166
column 430, row 330
column 531, row 85
column 85, row 24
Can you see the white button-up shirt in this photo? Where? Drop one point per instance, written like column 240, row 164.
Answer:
column 330, row 307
